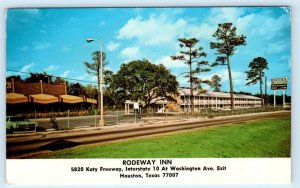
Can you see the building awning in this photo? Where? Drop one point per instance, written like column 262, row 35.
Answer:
column 14, row 98
column 93, row 101
column 44, row 99
column 71, row 99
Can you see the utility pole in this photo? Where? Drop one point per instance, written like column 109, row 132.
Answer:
column 101, row 121
column 266, row 94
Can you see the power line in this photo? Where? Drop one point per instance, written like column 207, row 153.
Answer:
column 73, row 79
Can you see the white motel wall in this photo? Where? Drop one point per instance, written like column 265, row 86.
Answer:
column 216, row 100
column 209, row 99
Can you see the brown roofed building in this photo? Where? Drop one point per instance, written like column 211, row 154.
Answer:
column 23, row 94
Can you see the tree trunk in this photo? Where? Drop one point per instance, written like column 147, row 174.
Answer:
column 148, row 111
column 266, row 94
column 261, row 95
column 230, row 82
column 191, row 87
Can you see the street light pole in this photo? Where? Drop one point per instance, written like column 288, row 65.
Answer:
column 101, row 121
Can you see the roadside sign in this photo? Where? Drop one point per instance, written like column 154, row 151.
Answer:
column 279, row 87
column 279, row 83
column 136, row 105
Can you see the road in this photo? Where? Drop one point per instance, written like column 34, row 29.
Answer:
column 17, row 146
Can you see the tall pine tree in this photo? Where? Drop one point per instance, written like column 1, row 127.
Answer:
column 226, row 42
column 191, row 56
column 256, row 73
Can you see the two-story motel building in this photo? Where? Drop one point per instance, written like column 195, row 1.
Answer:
column 209, row 99
column 216, row 100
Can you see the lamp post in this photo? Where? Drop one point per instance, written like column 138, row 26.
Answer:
column 101, row 121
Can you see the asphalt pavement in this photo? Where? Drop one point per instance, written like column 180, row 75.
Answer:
column 111, row 118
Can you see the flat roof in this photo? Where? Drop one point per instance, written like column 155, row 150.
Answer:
column 186, row 92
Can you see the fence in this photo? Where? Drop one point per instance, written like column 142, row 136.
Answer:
column 118, row 117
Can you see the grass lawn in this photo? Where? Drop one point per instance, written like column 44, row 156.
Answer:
column 258, row 138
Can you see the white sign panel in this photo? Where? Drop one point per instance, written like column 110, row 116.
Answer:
column 136, row 105
column 279, row 83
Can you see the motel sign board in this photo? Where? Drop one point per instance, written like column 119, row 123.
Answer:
column 279, row 83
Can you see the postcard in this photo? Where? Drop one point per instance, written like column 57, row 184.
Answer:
column 148, row 96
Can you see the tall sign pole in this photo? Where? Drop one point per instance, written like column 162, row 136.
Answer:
column 274, row 99
column 283, row 98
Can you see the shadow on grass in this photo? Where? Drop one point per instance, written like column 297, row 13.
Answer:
column 59, row 144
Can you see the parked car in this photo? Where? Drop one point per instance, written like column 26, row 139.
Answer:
column 19, row 123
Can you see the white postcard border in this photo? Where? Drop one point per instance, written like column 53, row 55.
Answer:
column 194, row 171
column 81, row 3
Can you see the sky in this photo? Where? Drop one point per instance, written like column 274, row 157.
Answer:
column 54, row 40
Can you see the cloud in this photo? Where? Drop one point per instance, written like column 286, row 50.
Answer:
column 169, row 63
column 284, row 58
column 225, row 14
column 112, row 46
column 238, row 77
column 65, row 73
column 27, row 15
column 260, row 23
column 130, row 52
column 276, row 47
column 165, row 28
column 51, row 68
column 26, row 68
column 176, row 11
column 182, row 80
column 235, row 15
column 203, row 31
column 41, row 46
column 156, row 30
column 255, row 26
column 243, row 23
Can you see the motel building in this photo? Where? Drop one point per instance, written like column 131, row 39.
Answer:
column 216, row 100
column 209, row 99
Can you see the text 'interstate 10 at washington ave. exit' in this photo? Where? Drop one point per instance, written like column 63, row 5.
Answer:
column 163, row 168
